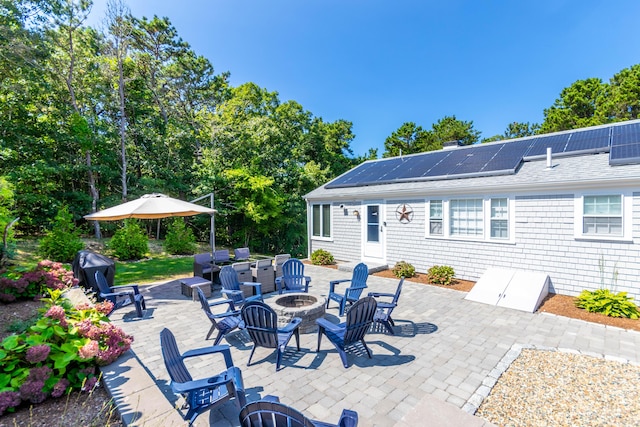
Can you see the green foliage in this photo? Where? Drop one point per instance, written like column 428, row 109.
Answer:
column 130, row 241
column 321, row 257
column 403, row 269
column 608, row 303
column 179, row 239
column 63, row 241
column 59, row 353
column 46, row 276
column 440, row 274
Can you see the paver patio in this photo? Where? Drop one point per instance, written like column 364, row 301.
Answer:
column 444, row 348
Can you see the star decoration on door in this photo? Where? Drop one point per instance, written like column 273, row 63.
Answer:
column 404, row 213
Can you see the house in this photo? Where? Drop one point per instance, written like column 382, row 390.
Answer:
column 566, row 204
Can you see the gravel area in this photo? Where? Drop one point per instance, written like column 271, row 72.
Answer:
column 554, row 388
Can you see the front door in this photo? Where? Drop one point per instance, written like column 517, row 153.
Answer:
column 373, row 233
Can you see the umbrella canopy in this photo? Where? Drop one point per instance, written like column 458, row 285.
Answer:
column 150, row 206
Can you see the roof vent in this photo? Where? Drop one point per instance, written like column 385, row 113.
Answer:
column 451, row 144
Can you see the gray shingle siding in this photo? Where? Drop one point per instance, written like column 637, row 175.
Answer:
column 544, row 219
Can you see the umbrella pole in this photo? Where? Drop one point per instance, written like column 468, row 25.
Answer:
column 212, row 233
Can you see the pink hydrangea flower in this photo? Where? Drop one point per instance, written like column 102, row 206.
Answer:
column 89, row 350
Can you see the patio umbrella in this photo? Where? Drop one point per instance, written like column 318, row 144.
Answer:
column 154, row 206
column 150, row 206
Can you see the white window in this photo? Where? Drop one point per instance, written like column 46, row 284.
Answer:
column 602, row 215
column 499, row 219
column 435, row 218
column 321, row 220
column 488, row 219
column 465, row 217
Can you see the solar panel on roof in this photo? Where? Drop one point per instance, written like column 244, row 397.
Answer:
column 476, row 159
column 448, row 164
column 508, row 158
column 351, row 178
column 590, row 140
column 542, row 142
column 625, row 154
column 625, row 134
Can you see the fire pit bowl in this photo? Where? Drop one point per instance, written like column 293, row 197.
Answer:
column 302, row 305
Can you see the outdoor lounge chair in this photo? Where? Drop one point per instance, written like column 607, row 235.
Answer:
column 277, row 263
column 221, row 256
column 270, row 412
column 383, row 312
column 231, row 287
column 262, row 272
column 352, row 293
column 203, row 394
column 241, row 254
column 202, row 264
column 222, row 322
column 120, row 296
column 293, row 278
column 359, row 319
column 261, row 322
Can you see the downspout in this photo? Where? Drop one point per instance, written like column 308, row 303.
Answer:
column 308, row 231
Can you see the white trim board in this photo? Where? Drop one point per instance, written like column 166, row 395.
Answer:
column 518, row 289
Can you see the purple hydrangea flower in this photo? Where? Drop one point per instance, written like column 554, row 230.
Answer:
column 38, row 353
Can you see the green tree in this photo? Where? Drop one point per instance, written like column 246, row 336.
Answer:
column 407, row 139
column 622, row 100
column 516, row 130
column 62, row 242
column 576, row 107
column 451, row 129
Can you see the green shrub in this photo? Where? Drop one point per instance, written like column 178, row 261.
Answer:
column 62, row 242
column 606, row 302
column 403, row 269
column 440, row 275
column 59, row 353
column 130, row 241
column 321, row 257
column 180, row 239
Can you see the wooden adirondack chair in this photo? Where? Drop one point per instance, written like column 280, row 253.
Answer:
column 270, row 412
column 120, row 296
column 383, row 312
column 222, row 322
column 261, row 322
column 352, row 293
column 293, row 278
column 204, row 394
column 343, row 335
column 231, row 287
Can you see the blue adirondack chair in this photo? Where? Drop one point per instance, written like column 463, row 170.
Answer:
column 231, row 287
column 203, row 394
column 383, row 312
column 343, row 335
column 293, row 278
column 261, row 322
column 352, row 293
column 270, row 412
column 222, row 322
column 120, row 296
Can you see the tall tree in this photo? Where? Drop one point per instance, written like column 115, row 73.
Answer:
column 623, row 95
column 451, row 129
column 119, row 23
column 409, row 138
column 576, row 107
column 515, row 130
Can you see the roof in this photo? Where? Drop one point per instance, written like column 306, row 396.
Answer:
column 593, row 167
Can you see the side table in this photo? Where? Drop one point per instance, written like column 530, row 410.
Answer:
column 188, row 284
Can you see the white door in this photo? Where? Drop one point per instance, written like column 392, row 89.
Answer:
column 373, row 233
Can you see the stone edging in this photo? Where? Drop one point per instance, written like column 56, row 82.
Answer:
column 482, row 392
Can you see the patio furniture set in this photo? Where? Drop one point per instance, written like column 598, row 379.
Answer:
column 248, row 311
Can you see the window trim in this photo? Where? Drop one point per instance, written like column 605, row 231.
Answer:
column 321, row 237
column 486, row 219
column 627, row 217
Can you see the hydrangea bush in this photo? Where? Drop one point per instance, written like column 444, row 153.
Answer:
column 59, row 353
column 46, row 275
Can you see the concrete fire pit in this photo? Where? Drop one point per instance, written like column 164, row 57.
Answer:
column 307, row 307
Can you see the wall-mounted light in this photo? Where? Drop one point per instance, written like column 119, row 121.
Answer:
column 356, row 213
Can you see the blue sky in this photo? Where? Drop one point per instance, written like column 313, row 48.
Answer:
column 379, row 64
